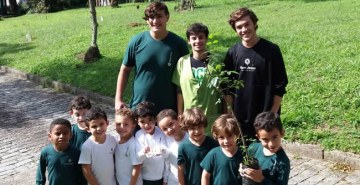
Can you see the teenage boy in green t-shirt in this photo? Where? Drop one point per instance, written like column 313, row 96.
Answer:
column 192, row 76
column 79, row 106
column 153, row 54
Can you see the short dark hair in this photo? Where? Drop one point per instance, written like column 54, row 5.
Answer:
column 241, row 13
column 80, row 102
column 193, row 117
column 226, row 123
column 166, row 113
column 94, row 113
column 126, row 112
column 60, row 121
column 152, row 10
column 267, row 121
column 197, row 28
column 144, row 109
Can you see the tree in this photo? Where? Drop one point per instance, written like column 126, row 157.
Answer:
column 3, row 7
column 93, row 53
column 14, row 8
column 186, row 5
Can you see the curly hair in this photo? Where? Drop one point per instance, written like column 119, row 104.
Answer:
column 241, row 13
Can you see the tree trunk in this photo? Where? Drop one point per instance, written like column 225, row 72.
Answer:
column 14, row 8
column 94, row 23
column 3, row 7
column 186, row 5
column 93, row 53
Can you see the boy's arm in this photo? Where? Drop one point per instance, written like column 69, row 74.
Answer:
column 40, row 174
column 276, row 104
column 135, row 174
column 166, row 172
column 86, row 168
column 205, row 178
column 181, row 174
column 180, row 102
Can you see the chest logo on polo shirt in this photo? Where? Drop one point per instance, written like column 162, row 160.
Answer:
column 69, row 162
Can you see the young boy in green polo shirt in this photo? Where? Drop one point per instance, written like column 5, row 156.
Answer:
column 274, row 163
column 193, row 150
column 221, row 164
column 60, row 158
column 79, row 106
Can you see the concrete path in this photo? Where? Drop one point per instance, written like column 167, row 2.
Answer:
column 26, row 110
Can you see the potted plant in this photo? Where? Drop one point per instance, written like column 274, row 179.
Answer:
column 248, row 162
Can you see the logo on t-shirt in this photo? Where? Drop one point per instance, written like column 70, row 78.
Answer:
column 69, row 162
column 199, row 74
column 249, row 66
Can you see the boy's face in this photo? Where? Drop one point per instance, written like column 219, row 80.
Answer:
column 147, row 124
column 197, row 133
column 245, row 28
column 227, row 142
column 271, row 140
column 98, row 127
column 60, row 136
column 198, row 42
column 124, row 125
column 158, row 22
column 79, row 116
column 169, row 126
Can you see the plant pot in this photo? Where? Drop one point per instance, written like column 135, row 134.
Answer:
column 247, row 181
column 254, row 164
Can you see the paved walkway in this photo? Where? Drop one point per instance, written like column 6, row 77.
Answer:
column 26, row 110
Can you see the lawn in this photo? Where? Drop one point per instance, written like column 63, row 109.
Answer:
column 320, row 41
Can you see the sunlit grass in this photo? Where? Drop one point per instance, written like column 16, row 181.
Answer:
column 320, row 42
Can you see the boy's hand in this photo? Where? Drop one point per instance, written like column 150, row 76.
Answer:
column 255, row 175
column 146, row 150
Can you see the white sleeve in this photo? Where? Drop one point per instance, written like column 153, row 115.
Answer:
column 139, row 147
column 133, row 154
column 85, row 155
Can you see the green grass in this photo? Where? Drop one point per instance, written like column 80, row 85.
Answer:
column 319, row 39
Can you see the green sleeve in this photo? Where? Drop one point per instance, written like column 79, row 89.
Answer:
column 40, row 174
column 282, row 175
column 177, row 72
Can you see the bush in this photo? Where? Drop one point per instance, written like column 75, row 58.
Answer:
column 47, row 6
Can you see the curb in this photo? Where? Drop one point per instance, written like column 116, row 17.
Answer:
column 317, row 152
column 294, row 148
column 58, row 86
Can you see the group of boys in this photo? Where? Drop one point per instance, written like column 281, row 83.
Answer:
column 168, row 149
column 172, row 147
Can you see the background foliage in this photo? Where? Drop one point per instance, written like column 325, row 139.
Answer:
column 320, row 42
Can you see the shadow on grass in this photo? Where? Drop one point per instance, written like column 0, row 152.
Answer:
column 313, row 1
column 100, row 76
column 6, row 48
